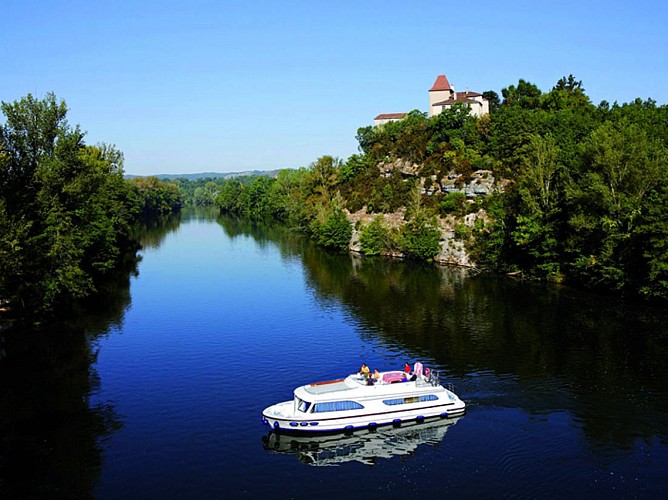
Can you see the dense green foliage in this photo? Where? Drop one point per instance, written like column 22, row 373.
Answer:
column 375, row 237
column 65, row 210
column 583, row 198
column 155, row 197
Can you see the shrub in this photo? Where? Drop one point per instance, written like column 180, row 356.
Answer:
column 335, row 232
column 462, row 232
column 374, row 237
column 453, row 203
column 420, row 239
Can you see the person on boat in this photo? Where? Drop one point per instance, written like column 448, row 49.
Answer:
column 364, row 371
column 376, row 375
column 407, row 369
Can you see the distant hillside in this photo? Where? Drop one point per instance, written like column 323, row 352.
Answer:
column 208, row 175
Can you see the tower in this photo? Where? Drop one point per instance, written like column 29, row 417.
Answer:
column 439, row 92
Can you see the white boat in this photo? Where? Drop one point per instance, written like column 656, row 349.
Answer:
column 367, row 447
column 349, row 404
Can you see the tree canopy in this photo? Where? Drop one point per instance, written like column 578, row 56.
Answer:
column 65, row 209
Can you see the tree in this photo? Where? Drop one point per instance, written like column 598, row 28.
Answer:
column 65, row 209
column 494, row 100
column 157, row 197
column 375, row 237
column 567, row 93
column 206, row 195
column 526, row 95
column 330, row 227
column 29, row 135
column 420, row 238
column 622, row 169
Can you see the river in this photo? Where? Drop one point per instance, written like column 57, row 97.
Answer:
column 157, row 391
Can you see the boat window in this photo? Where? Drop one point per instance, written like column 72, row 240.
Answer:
column 302, row 405
column 391, row 402
column 412, row 399
column 337, row 406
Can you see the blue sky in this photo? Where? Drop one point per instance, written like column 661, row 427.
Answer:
column 237, row 85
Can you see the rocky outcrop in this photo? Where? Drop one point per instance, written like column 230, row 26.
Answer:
column 453, row 229
column 480, row 183
column 452, row 248
column 406, row 168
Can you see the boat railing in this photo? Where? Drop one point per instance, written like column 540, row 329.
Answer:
column 434, row 378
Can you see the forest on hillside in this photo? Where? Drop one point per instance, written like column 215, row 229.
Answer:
column 582, row 188
column 581, row 195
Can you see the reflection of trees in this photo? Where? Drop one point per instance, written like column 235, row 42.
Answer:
column 289, row 243
column 50, row 430
column 600, row 359
column 151, row 232
column 199, row 213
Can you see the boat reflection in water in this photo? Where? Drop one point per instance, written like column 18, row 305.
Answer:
column 363, row 446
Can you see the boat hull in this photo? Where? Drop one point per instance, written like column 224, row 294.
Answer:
column 367, row 422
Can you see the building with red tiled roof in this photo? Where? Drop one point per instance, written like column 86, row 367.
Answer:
column 384, row 118
column 442, row 96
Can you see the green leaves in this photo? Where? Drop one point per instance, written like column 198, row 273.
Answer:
column 65, row 210
column 375, row 237
column 334, row 231
column 420, row 238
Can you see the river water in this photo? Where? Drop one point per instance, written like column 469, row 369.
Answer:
column 157, row 391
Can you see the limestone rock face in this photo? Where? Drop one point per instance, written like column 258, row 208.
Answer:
column 452, row 249
column 480, row 183
column 406, row 168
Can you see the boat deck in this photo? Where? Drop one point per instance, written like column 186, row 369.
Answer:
column 327, row 387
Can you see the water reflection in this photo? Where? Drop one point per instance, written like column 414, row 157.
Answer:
column 365, row 447
column 50, row 430
column 507, row 343
column 151, row 232
column 290, row 243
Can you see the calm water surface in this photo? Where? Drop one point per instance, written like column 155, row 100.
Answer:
column 158, row 393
